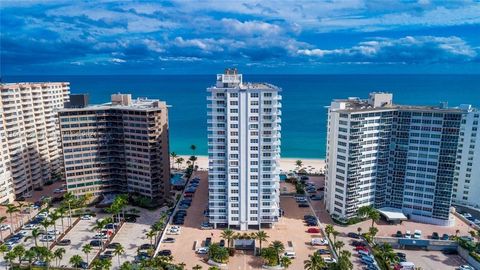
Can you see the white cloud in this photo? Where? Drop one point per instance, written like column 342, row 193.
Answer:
column 117, row 60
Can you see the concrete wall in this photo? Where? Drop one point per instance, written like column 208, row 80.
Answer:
column 466, row 256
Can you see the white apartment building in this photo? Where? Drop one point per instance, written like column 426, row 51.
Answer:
column 244, row 151
column 30, row 142
column 394, row 156
column 466, row 185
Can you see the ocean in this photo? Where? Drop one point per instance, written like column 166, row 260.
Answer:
column 305, row 98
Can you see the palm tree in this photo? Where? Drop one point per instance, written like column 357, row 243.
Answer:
column 54, row 216
column 87, row 249
column 227, row 234
column 329, row 230
column 279, row 248
column 58, row 255
column 338, row 246
column 370, row 212
column 197, row 267
column 335, row 234
column 374, row 215
column 68, row 199
column 285, row 262
column 388, row 254
column 179, row 161
column 10, row 257
column 344, row 262
column 150, row 235
column 45, row 223
column 372, row 231
column 261, row 236
column 76, row 261
column 299, row 164
column 30, row 256
column 193, row 159
column 359, row 230
column 2, row 219
column 61, row 213
column 3, row 250
column 11, row 209
column 35, row 234
column 19, row 252
column 118, row 251
column 314, row 262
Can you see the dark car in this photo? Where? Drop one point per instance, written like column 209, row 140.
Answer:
column 303, row 205
column 169, row 240
column 312, row 223
column 358, row 243
column 222, row 243
column 146, row 246
column 401, row 255
column 95, row 243
column 308, row 216
column 131, row 219
column 435, row 236
column 353, row 235
column 165, row 252
column 64, row 242
column 399, row 234
column 105, row 257
column 178, row 222
column 445, row 236
column 113, row 245
column 208, row 241
column 323, row 251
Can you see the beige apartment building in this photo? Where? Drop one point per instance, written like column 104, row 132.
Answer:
column 30, row 154
column 117, row 147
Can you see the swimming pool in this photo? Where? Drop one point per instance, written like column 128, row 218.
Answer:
column 177, row 179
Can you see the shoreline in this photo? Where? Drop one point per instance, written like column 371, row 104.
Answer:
column 311, row 165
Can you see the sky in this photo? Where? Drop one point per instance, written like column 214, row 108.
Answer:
column 265, row 37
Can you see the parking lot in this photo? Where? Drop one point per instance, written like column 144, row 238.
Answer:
column 433, row 260
column 291, row 228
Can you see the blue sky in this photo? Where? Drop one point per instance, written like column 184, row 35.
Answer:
column 178, row 37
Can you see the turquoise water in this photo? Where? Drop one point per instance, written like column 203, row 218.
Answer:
column 177, row 179
column 283, row 177
column 304, row 100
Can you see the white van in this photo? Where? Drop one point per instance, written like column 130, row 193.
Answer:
column 407, row 265
column 417, row 234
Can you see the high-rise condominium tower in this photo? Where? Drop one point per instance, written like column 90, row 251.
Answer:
column 118, row 147
column 244, row 150
column 30, row 149
column 388, row 155
column 466, row 185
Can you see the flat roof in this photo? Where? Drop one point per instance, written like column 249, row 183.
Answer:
column 392, row 214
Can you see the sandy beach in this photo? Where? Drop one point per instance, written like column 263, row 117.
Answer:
column 286, row 164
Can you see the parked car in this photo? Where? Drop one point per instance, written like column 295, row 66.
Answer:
column 358, row 243
column 408, row 234
column 445, row 236
column 353, row 235
column 399, row 234
column 417, row 234
column 313, row 230
column 289, row 254
column 206, row 226
column 319, row 242
column 435, row 236
column 29, row 226
column 169, row 240
column 312, row 222
column 113, row 245
column 450, row 251
column 64, row 242
column 303, row 205
column 165, row 252
column 323, row 251
column 208, row 241
column 146, row 247
column 222, row 243
column 466, row 267
column 202, row 250
column 358, row 248
column 47, row 238
column 95, row 243
column 330, row 260
column 86, row 217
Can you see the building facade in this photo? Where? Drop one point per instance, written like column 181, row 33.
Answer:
column 118, row 147
column 388, row 155
column 466, row 186
column 31, row 153
column 244, row 151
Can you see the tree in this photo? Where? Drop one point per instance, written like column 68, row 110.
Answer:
column 299, row 164
column 103, row 264
column 279, row 248
column 227, row 234
column 197, row 267
column 61, row 214
column 58, row 255
column 10, row 257
column 118, row 251
column 11, row 209
column 179, row 162
column 261, row 236
column 150, row 235
column 388, row 254
column 19, row 252
column 126, row 266
column 193, row 147
column 370, row 212
column 87, row 249
column 329, row 230
column 270, row 256
column 285, row 262
column 338, row 246
column 217, row 253
column 3, row 250
column 335, row 234
column 359, row 230
column 344, row 262
column 374, row 215
column 35, row 234
column 373, row 232
column 45, row 224
column 54, row 216
column 2, row 220
column 76, row 261
column 30, row 256
column 193, row 159
column 314, row 262
column 69, row 198
column 457, row 232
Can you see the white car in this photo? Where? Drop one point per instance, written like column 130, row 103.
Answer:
column 289, row 254
column 330, row 260
column 417, row 234
column 86, row 217
column 5, row 227
column 466, row 267
column 173, row 232
column 53, row 232
column 319, row 242
column 408, row 234
column 42, row 214
column 202, row 250
column 47, row 238
column 100, row 236
column 30, row 227
column 467, row 215
column 206, row 226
